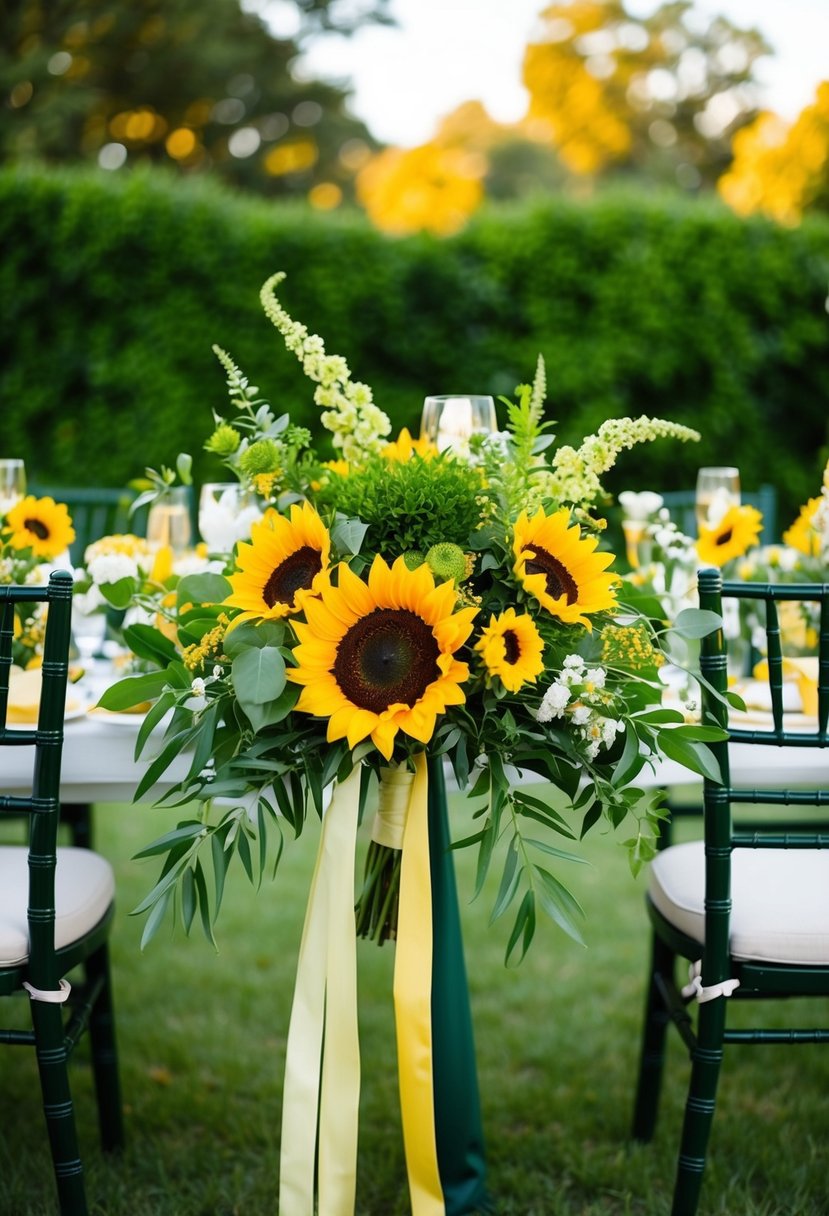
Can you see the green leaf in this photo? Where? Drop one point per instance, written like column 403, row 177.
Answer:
column 266, row 633
column 348, row 535
column 695, row 756
column 220, row 862
column 484, row 856
column 204, row 904
column 524, row 927
column 258, row 676
column 154, row 919
column 631, row 760
column 133, row 690
column 152, row 718
column 693, row 623
column 188, row 899
column 162, row 762
column 261, row 716
column 150, row 643
column 120, row 593
column 559, row 904
column 702, row 734
column 551, row 849
column 185, row 831
column 509, row 882
column 202, row 589
column 243, row 846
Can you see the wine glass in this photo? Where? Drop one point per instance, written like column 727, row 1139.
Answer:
column 718, row 489
column 168, row 522
column 12, row 483
column 451, row 421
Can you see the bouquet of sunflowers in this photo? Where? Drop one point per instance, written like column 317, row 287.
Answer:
column 396, row 614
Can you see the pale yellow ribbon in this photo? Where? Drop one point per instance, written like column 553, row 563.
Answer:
column 322, row 1066
column 413, row 1005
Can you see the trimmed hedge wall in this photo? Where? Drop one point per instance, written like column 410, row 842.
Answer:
column 114, row 287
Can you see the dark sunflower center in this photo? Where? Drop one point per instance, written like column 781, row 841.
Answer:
column 725, row 538
column 512, row 647
column 559, row 579
column 38, row 527
column 388, row 656
column 296, row 573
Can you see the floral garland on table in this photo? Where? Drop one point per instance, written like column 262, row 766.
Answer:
column 35, row 534
column 395, row 609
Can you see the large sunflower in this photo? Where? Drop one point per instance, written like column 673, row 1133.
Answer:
column 42, row 525
column 378, row 657
column 736, row 532
column 286, row 561
column 511, row 647
column 560, row 567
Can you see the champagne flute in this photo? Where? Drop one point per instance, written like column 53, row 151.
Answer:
column 718, row 489
column 12, row 484
column 168, row 522
column 451, row 421
column 226, row 512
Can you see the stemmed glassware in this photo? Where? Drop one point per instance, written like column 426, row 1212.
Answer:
column 168, row 522
column 226, row 512
column 451, row 421
column 718, row 489
column 12, row 483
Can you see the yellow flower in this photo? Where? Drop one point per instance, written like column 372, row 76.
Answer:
column 560, row 568
column 511, row 647
column 737, row 531
column 341, row 467
column 162, row 565
column 376, row 658
column 286, row 562
column 802, row 535
column 42, row 525
column 404, row 447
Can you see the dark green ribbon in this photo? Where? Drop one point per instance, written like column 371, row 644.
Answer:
column 460, row 1138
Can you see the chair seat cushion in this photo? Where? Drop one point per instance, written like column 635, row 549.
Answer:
column 84, row 889
column 779, row 900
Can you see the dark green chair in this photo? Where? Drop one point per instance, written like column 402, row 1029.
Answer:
column 681, row 505
column 97, row 511
column 56, row 908
column 748, row 903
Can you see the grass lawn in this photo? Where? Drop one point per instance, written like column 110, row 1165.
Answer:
column 202, row 1038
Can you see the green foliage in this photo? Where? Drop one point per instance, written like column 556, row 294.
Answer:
column 412, row 504
column 114, row 288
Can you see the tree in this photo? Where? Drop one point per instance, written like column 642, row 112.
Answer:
column 658, row 96
column 782, row 168
column 178, row 82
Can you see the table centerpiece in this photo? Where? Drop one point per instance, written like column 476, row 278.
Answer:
column 396, row 613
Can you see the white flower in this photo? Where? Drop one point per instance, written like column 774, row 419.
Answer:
column 197, row 687
column 553, row 702
column 223, row 521
column 640, row 506
column 573, row 660
column 581, row 715
column 110, row 567
column 595, row 676
column 217, row 673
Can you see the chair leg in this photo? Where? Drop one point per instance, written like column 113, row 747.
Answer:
column 105, row 1054
column 706, row 1059
column 652, row 1056
column 78, row 817
column 52, row 1063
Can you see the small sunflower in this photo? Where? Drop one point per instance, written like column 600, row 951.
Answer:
column 286, row 561
column 376, row 658
column 42, row 525
column 511, row 647
column 560, row 568
column 404, row 447
column 736, row 532
column 803, row 535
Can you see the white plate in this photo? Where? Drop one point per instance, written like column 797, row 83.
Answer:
column 77, row 709
column 113, row 716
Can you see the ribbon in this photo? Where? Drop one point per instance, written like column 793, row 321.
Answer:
column 322, row 1066
column 413, row 1005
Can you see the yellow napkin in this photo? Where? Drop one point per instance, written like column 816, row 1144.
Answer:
column 24, row 696
column 800, row 671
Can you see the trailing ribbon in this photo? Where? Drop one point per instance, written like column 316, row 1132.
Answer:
column 322, row 1066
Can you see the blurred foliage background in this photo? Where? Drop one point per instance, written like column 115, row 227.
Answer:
column 645, row 226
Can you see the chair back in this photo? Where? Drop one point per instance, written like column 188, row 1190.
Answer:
column 43, row 805
column 682, row 507
column 722, row 834
column 96, row 512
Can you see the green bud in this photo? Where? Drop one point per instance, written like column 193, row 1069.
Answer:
column 261, row 457
column 224, row 441
column 414, row 558
column 447, row 561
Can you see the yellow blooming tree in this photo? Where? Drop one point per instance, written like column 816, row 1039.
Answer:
column 431, row 187
column 782, row 169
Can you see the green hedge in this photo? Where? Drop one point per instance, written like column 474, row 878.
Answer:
column 114, row 287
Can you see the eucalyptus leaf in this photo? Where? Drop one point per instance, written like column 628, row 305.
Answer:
column 695, row 623
column 258, row 675
column 202, row 589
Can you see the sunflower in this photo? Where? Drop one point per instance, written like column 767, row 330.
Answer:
column 560, row 568
column 404, row 447
column 286, row 561
column 803, row 535
column 378, row 657
column 736, row 532
column 42, row 525
column 511, row 647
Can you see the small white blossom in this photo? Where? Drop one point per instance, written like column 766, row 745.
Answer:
column 198, row 686
column 581, row 715
column 110, row 567
column 553, row 702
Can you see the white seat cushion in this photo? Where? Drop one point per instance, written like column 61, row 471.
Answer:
column 84, row 889
column 779, row 900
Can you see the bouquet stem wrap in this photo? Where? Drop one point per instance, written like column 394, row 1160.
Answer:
column 436, row 1057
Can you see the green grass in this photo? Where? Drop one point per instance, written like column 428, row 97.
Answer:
column 202, row 1038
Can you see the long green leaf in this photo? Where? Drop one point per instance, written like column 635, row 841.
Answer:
column 133, row 691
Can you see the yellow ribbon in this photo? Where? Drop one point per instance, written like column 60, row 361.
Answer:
column 322, row 1066
column 413, row 1005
